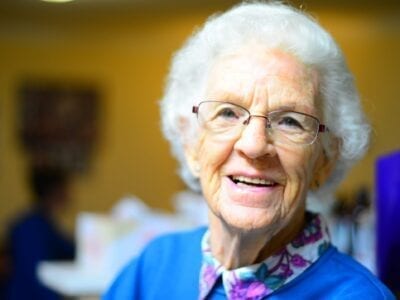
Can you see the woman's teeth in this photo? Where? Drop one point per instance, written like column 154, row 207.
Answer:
column 252, row 181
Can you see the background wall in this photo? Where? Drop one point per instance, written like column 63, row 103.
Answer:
column 126, row 53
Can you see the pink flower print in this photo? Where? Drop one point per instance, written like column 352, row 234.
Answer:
column 238, row 290
column 311, row 234
column 248, row 290
column 209, row 275
column 298, row 261
column 298, row 241
column 286, row 271
column 256, row 290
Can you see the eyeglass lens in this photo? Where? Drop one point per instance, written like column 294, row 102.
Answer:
column 283, row 126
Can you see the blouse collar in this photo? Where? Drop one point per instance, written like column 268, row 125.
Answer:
column 259, row 280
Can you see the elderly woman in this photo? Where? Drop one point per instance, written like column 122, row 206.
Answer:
column 261, row 112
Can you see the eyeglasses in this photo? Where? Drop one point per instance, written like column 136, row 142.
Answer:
column 286, row 127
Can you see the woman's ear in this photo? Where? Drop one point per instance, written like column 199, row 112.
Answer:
column 192, row 159
column 325, row 164
column 189, row 148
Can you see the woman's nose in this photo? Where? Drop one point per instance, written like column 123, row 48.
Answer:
column 255, row 140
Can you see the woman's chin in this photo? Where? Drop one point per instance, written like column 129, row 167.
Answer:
column 248, row 218
column 248, row 208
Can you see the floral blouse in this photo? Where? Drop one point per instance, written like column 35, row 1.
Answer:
column 259, row 280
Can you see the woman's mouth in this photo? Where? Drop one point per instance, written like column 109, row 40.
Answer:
column 251, row 191
column 251, row 181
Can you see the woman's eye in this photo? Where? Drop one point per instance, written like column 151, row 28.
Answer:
column 227, row 113
column 290, row 122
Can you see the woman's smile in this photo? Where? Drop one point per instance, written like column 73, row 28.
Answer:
column 253, row 192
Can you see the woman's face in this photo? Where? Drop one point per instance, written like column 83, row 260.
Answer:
column 250, row 182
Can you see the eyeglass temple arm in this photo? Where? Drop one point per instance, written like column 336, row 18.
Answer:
column 322, row 128
column 195, row 109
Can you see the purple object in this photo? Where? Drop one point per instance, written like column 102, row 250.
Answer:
column 388, row 219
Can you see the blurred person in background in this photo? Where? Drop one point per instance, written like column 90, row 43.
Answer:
column 261, row 112
column 35, row 237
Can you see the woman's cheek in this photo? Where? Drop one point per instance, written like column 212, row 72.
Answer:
column 212, row 155
column 214, row 152
column 298, row 166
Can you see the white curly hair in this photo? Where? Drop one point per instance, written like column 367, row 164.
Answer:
column 274, row 25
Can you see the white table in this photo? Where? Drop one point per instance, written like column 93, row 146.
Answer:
column 71, row 280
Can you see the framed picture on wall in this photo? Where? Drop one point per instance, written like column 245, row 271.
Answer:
column 58, row 122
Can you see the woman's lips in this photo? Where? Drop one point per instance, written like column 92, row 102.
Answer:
column 252, row 191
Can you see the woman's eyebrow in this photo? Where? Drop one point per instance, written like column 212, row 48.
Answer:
column 236, row 98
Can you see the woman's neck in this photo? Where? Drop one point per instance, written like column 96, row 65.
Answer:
column 234, row 248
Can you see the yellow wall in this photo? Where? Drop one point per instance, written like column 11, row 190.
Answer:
column 371, row 43
column 127, row 59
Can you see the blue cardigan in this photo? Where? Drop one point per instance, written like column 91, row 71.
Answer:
column 169, row 268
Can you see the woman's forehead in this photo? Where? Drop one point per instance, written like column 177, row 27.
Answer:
column 254, row 72
column 259, row 61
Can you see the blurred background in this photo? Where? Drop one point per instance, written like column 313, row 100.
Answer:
column 98, row 68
